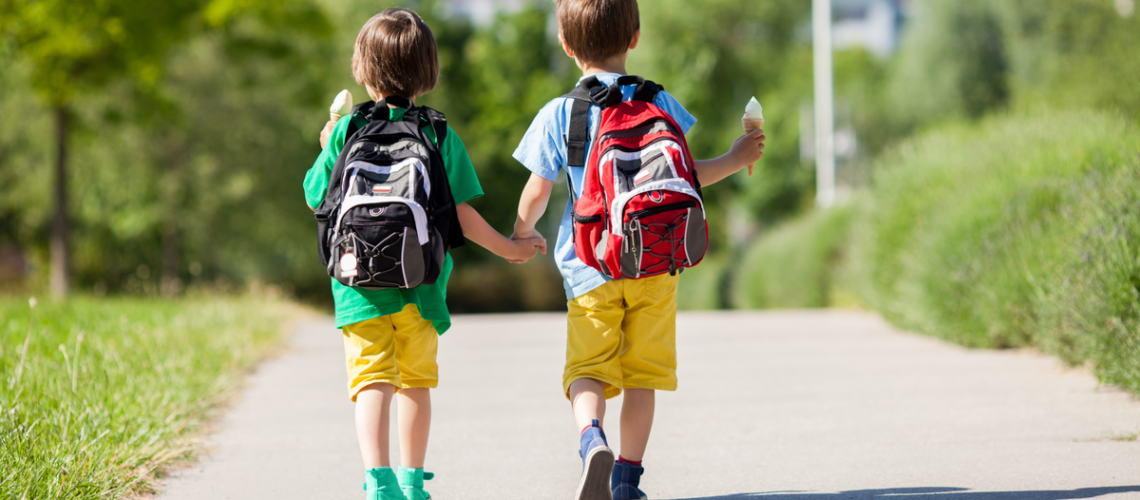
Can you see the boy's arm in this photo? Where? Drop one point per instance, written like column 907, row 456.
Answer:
column 532, row 204
column 476, row 229
column 746, row 150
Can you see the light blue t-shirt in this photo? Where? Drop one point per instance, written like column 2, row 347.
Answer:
column 543, row 151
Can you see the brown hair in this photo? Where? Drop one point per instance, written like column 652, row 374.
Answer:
column 395, row 54
column 597, row 30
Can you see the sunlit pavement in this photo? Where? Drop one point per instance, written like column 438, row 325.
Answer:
column 783, row 405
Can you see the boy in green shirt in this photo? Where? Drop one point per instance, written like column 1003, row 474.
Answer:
column 391, row 335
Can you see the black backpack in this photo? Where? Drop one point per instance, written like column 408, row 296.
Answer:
column 388, row 216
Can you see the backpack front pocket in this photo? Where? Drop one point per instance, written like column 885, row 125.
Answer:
column 380, row 245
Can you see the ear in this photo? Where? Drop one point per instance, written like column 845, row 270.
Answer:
column 565, row 48
column 636, row 38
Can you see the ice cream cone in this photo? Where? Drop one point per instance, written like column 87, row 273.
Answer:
column 752, row 121
column 751, row 125
column 341, row 105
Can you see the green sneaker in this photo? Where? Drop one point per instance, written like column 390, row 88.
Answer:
column 381, row 484
column 412, row 482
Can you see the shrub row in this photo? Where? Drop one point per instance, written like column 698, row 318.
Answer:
column 1018, row 230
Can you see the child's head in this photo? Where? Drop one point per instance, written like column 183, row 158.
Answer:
column 395, row 54
column 595, row 31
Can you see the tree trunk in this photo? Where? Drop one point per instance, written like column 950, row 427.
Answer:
column 59, row 227
column 171, row 283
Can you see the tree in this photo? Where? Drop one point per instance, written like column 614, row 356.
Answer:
column 953, row 63
column 76, row 48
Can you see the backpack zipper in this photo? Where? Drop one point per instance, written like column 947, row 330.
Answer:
column 647, row 212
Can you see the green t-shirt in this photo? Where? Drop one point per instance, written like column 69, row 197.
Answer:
column 354, row 305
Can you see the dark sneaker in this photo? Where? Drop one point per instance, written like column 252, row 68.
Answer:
column 625, row 481
column 597, row 465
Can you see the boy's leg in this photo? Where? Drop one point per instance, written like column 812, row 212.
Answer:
column 593, row 373
column 372, row 379
column 588, row 400
column 372, row 418
column 417, row 344
column 649, row 364
column 636, row 422
column 415, row 424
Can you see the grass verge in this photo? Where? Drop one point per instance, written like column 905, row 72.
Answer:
column 98, row 394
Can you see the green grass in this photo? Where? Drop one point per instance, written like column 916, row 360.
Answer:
column 1019, row 230
column 97, row 394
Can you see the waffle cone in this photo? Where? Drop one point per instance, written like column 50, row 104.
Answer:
column 751, row 125
column 335, row 116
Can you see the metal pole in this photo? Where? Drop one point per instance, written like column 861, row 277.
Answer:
column 824, row 105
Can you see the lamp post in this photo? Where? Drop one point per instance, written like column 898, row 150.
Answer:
column 824, row 105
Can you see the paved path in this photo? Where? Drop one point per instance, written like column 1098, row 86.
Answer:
column 775, row 406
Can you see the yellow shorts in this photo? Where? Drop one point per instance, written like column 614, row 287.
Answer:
column 398, row 349
column 623, row 334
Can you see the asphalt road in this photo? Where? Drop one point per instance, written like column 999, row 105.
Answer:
column 775, row 406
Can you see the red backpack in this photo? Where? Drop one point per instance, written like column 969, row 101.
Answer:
column 641, row 212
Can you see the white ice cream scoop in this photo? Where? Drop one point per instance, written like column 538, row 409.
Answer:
column 341, row 106
column 754, row 110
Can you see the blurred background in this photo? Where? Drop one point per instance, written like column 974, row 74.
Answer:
column 186, row 127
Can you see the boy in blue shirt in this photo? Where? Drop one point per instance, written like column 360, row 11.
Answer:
column 391, row 335
column 621, row 333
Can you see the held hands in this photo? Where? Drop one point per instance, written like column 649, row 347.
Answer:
column 748, row 148
column 326, row 132
column 525, row 246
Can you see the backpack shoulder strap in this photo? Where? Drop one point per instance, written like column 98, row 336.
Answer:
column 364, row 107
column 590, row 92
column 646, row 90
column 446, row 206
column 438, row 123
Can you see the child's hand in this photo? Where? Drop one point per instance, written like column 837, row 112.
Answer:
column 748, row 148
column 326, row 132
column 524, row 249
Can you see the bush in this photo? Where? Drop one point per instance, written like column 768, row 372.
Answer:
column 1019, row 230
column 793, row 266
column 702, row 287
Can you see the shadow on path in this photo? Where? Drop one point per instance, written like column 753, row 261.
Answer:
column 938, row 493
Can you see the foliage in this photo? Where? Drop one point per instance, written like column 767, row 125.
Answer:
column 953, row 63
column 795, row 264
column 715, row 58
column 1074, row 53
column 97, row 394
column 182, row 179
column 965, row 58
column 1007, row 233
column 703, row 287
